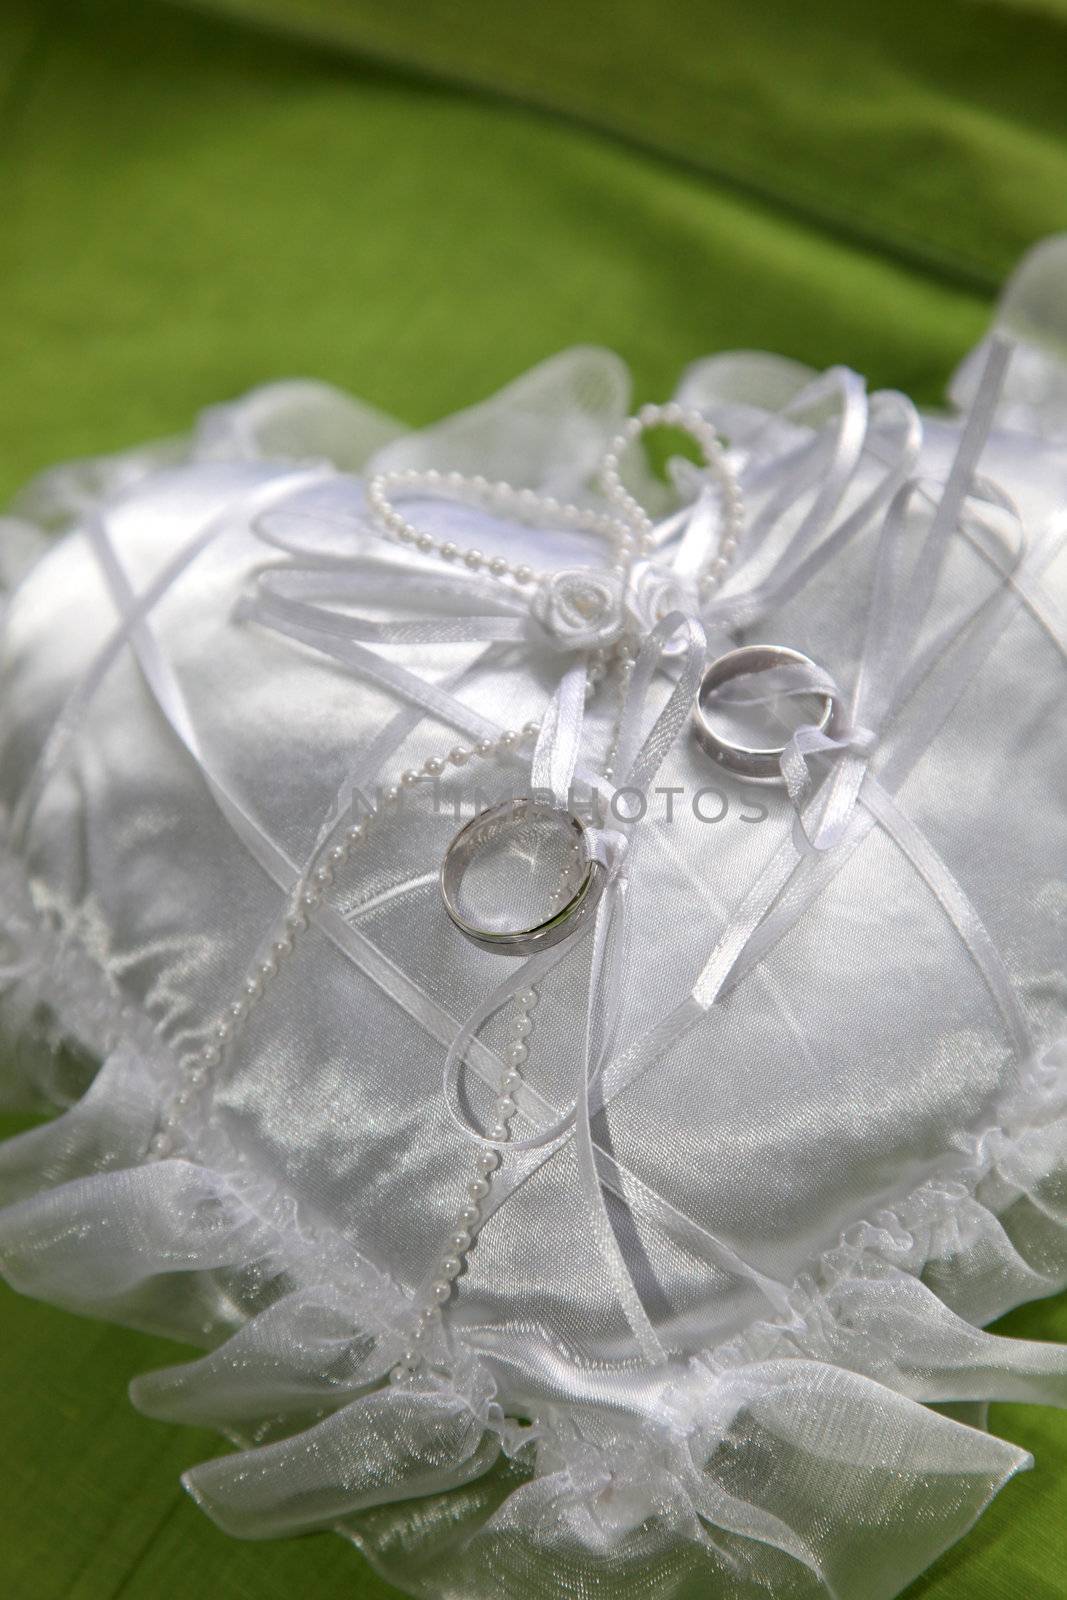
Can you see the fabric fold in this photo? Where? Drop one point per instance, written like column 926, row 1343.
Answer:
column 387, row 1446
column 310, row 1350
column 93, row 1239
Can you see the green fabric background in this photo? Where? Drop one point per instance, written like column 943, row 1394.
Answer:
column 416, row 202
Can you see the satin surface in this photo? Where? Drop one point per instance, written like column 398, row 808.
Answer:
column 822, row 1184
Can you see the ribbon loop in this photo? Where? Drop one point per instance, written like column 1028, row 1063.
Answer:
column 901, row 594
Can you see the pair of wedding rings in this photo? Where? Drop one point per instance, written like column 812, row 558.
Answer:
column 753, row 764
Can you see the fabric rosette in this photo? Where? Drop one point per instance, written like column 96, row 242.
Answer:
column 580, row 608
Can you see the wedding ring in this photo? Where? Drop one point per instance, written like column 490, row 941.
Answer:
column 758, row 765
column 577, row 888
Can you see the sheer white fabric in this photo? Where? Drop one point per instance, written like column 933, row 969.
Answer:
column 831, row 1136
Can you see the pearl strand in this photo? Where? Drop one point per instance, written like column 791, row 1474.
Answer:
column 493, row 496
column 630, row 532
column 451, row 1263
column 634, row 514
column 656, row 416
column 626, row 652
column 307, row 895
column 569, row 879
column 460, row 1241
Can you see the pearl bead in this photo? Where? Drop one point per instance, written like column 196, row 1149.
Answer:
column 434, row 766
column 460, row 1241
column 499, row 1132
column 524, row 574
column 254, row 986
column 409, row 778
column 237, row 1010
column 522, row 1026
column 428, row 1316
column 440, row 1291
column 339, row 855
column 474, row 559
column 531, row 729
column 451, row 1267
column 160, row 1145
column 198, row 1076
column 470, row 1216
column 509, row 1081
column 400, row 1374
column 311, row 896
column 356, row 832
column 458, row 756
column 478, row 1189
column 506, row 1106
column 498, row 567
column 211, row 1055
column 391, row 795
column 424, row 543
column 222, row 1030
column 527, row 998
column 449, row 551
column 508, row 740
column 488, row 1161
column 485, row 747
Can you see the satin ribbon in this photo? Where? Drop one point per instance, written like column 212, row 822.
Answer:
column 552, row 770
column 781, row 555
column 900, row 599
column 898, row 605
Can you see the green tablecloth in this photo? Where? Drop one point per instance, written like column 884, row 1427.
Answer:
column 416, row 203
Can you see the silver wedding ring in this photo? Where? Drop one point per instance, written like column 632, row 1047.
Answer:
column 759, row 765
column 574, row 898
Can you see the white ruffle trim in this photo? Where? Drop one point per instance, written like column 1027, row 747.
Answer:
column 799, row 1460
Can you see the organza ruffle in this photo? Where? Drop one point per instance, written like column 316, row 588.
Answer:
column 798, row 1460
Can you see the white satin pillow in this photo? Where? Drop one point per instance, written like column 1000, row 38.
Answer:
column 831, row 1133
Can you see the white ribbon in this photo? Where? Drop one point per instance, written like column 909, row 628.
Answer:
column 553, row 770
column 898, row 605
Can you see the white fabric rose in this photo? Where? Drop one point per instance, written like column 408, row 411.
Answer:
column 654, row 592
column 580, row 608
